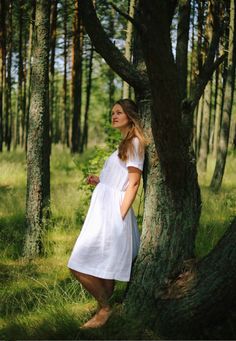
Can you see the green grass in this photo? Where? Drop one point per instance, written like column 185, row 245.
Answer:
column 39, row 299
column 217, row 209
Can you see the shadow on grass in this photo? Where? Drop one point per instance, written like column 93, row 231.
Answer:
column 12, row 232
column 64, row 324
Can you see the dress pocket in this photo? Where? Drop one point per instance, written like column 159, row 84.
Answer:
column 119, row 211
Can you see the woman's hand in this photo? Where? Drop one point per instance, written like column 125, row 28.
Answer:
column 93, row 180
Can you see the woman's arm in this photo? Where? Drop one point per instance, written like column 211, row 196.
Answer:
column 134, row 175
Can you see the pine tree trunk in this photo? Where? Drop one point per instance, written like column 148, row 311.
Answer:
column 204, row 150
column 76, row 79
column 205, row 135
column 84, row 141
column 128, row 45
column 199, row 125
column 9, row 118
column 2, row 64
column 29, row 71
column 53, row 33
column 38, row 169
column 172, row 206
column 19, row 114
column 228, row 103
column 182, row 46
column 66, row 140
column 218, row 114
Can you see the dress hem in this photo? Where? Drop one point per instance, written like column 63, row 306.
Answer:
column 97, row 273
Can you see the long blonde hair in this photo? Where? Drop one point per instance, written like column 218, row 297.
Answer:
column 131, row 110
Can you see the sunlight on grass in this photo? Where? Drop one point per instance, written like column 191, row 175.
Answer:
column 217, row 209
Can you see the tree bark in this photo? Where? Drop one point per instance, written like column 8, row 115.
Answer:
column 29, row 70
column 182, row 46
column 19, row 113
column 2, row 64
column 205, row 135
column 38, row 169
column 76, row 79
column 128, row 45
column 9, row 118
column 218, row 114
column 84, row 141
column 53, row 36
column 65, row 104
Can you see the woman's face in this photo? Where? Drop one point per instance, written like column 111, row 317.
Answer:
column 119, row 118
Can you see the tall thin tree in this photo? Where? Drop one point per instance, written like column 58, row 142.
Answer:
column 38, row 159
column 228, row 103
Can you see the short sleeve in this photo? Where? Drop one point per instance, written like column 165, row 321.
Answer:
column 135, row 160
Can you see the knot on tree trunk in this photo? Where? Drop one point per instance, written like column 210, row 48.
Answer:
column 182, row 283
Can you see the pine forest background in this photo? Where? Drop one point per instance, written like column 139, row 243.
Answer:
column 39, row 298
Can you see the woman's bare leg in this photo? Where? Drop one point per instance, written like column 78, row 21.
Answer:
column 109, row 285
column 96, row 287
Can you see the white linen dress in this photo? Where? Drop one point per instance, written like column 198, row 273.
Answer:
column 107, row 243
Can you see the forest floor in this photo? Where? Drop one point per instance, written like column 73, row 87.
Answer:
column 39, row 299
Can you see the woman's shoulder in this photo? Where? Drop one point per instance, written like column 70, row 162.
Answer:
column 135, row 141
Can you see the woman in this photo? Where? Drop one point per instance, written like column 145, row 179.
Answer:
column 109, row 239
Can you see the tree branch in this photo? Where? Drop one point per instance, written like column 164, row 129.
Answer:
column 126, row 16
column 112, row 55
column 205, row 75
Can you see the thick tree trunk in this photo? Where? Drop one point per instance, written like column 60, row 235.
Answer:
column 172, row 197
column 228, row 103
column 198, row 298
column 38, row 172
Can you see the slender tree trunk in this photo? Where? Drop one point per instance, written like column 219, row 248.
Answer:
column 205, row 136
column 128, row 45
column 29, row 70
column 76, row 79
column 2, row 64
column 218, row 114
column 38, row 169
column 199, row 125
column 66, row 140
column 19, row 113
column 53, row 34
column 88, row 95
column 9, row 118
column 204, row 150
column 110, row 72
column 193, row 61
column 182, row 46
column 228, row 103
